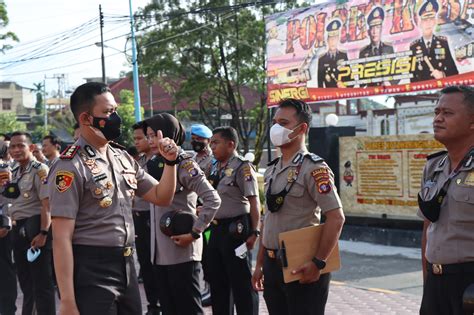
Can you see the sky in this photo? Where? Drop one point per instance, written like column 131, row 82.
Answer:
column 70, row 28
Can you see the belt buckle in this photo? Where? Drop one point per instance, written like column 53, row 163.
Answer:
column 271, row 253
column 437, row 269
column 127, row 251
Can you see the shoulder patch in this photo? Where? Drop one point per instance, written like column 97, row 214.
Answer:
column 432, row 156
column 247, row 172
column 273, row 162
column 190, row 167
column 69, row 152
column 63, row 180
column 313, row 157
column 43, row 175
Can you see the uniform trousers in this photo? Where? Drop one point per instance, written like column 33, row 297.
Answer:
column 442, row 294
column 179, row 289
column 36, row 278
column 141, row 220
column 105, row 281
column 292, row 298
column 8, row 290
column 229, row 276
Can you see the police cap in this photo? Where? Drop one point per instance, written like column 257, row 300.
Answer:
column 333, row 27
column 428, row 9
column 376, row 17
column 177, row 222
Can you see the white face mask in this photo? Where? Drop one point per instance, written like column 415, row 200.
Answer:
column 279, row 135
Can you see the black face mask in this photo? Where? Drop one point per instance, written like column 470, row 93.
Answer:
column 198, row 146
column 11, row 190
column 110, row 126
column 432, row 208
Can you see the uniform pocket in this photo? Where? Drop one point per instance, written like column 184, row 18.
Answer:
column 463, row 207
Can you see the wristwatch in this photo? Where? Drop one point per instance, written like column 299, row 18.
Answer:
column 44, row 232
column 320, row 264
column 195, row 234
column 256, row 232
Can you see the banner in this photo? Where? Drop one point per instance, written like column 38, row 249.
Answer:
column 359, row 49
column 381, row 176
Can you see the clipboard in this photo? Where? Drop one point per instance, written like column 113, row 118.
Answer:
column 300, row 246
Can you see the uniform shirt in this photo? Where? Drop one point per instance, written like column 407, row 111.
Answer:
column 191, row 183
column 4, row 172
column 328, row 68
column 139, row 204
column 313, row 192
column 238, row 182
column 205, row 161
column 32, row 182
column 439, row 56
column 451, row 238
column 50, row 163
column 75, row 192
column 370, row 50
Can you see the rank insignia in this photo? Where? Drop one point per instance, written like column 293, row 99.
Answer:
column 63, row 180
column 69, row 152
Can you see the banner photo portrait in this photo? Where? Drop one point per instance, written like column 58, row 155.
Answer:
column 357, row 49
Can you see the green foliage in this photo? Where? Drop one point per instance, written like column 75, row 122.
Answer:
column 9, row 124
column 126, row 111
column 8, row 36
column 39, row 133
column 39, row 98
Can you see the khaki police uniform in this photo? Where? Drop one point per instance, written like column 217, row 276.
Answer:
column 204, row 161
column 228, row 273
column 312, row 192
column 178, row 268
column 36, row 278
column 449, row 240
column 8, row 290
column 141, row 220
column 97, row 191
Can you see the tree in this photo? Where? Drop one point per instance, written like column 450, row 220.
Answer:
column 211, row 51
column 8, row 123
column 126, row 111
column 8, row 36
column 39, row 97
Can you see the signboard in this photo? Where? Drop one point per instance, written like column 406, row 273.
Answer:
column 381, row 176
column 359, row 49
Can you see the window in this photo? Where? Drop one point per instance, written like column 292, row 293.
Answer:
column 384, row 127
column 7, row 104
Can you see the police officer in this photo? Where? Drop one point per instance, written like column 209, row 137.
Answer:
column 177, row 256
column 236, row 223
column 299, row 189
column 141, row 220
column 91, row 192
column 200, row 138
column 446, row 203
column 30, row 211
column 329, row 62
column 51, row 147
column 8, row 290
column 432, row 53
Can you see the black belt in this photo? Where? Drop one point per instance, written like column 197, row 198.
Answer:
column 226, row 220
column 439, row 269
column 100, row 251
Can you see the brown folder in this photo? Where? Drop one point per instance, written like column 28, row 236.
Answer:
column 300, row 246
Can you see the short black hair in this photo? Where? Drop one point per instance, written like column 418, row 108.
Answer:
column 303, row 111
column 466, row 91
column 27, row 135
column 54, row 141
column 6, row 136
column 228, row 133
column 82, row 100
column 139, row 125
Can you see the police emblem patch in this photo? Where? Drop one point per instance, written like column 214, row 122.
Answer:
column 63, row 180
column 324, row 187
column 43, row 175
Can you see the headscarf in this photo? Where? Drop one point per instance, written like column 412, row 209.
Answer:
column 169, row 126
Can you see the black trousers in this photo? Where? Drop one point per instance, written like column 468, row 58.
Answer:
column 141, row 219
column 8, row 291
column 229, row 276
column 442, row 294
column 36, row 278
column 179, row 290
column 293, row 298
column 105, row 282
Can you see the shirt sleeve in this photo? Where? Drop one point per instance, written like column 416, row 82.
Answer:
column 193, row 178
column 145, row 181
column 322, row 188
column 65, row 189
column 41, row 181
column 422, row 185
column 247, row 180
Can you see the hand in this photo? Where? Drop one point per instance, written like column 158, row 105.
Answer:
column 257, row 279
column 251, row 241
column 166, row 146
column 183, row 240
column 437, row 74
column 3, row 232
column 39, row 241
column 68, row 307
column 310, row 272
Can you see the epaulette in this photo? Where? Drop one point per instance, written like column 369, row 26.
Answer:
column 185, row 155
column 313, row 157
column 117, row 146
column 36, row 164
column 273, row 162
column 432, row 156
column 69, row 152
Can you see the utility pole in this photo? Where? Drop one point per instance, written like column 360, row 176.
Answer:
column 136, row 87
column 45, row 107
column 101, row 18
